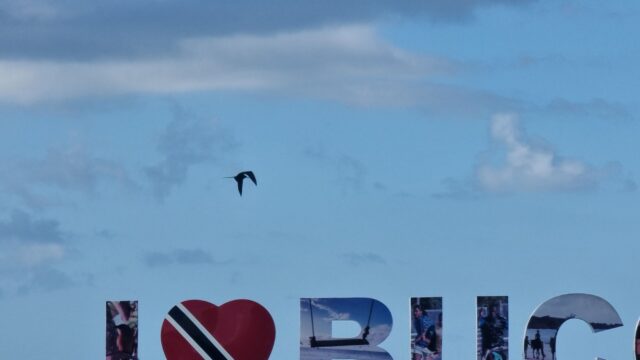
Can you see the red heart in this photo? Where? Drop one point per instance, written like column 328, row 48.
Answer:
column 239, row 329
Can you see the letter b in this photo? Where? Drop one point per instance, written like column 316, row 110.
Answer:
column 316, row 338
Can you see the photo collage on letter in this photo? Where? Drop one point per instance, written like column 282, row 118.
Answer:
column 493, row 328
column 318, row 317
column 542, row 329
column 122, row 330
column 426, row 328
column 638, row 341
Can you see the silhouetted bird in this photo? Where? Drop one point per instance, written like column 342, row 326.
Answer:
column 240, row 178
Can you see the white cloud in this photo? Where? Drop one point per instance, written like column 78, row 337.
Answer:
column 331, row 313
column 348, row 63
column 518, row 163
column 73, row 29
column 528, row 166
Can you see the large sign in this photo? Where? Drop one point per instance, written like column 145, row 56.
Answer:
column 244, row 329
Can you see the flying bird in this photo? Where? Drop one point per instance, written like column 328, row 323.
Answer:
column 240, row 178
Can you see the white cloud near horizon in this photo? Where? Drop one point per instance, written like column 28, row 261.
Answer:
column 528, row 166
column 350, row 63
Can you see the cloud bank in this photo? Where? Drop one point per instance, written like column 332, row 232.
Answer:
column 350, row 64
column 75, row 29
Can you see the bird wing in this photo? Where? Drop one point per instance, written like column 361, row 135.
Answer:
column 239, row 186
column 251, row 176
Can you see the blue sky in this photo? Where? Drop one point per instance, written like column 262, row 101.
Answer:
column 402, row 149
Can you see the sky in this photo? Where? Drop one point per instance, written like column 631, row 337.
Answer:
column 454, row 148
